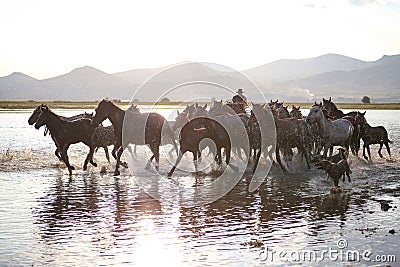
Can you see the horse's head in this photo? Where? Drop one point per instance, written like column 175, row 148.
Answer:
column 360, row 119
column 87, row 115
column 134, row 109
column 216, row 108
column 328, row 104
column 200, row 111
column 35, row 115
column 296, row 113
column 282, row 112
column 43, row 117
column 315, row 115
column 102, row 112
column 180, row 120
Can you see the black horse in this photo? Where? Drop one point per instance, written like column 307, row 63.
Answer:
column 372, row 135
column 65, row 133
column 102, row 137
column 153, row 124
column 198, row 129
column 36, row 113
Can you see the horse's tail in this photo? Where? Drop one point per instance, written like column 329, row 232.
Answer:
column 386, row 137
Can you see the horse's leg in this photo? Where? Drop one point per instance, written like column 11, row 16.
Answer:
column 149, row 162
column 114, row 151
column 387, row 148
column 64, row 153
column 155, row 148
column 369, row 153
column 365, row 156
column 89, row 157
column 219, row 156
column 228, row 159
column 380, row 149
column 176, row 164
column 256, row 161
column 107, row 154
column 195, row 160
column 278, row 158
column 119, row 154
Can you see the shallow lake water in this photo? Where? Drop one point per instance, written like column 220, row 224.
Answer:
column 89, row 219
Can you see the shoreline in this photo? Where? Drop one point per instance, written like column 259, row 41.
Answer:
column 5, row 104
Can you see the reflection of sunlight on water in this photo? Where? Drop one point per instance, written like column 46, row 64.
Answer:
column 152, row 249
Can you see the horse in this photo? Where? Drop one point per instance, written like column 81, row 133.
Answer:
column 296, row 113
column 372, row 135
column 333, row 110
column 197, row 129
column 333, row 133
column 231, row 122
column 153, row 124
column 66, row 133
column 102, row 137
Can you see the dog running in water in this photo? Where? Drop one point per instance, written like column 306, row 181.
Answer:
column 337, row 169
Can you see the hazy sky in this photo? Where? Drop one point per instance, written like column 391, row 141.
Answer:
column 45, row 38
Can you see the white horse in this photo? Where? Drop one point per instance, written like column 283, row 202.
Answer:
column 333, row 133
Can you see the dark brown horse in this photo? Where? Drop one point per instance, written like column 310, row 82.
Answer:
column 198, row 129
column 66, row 133
column 35, row 116
column 372, row 135
column 140, row 129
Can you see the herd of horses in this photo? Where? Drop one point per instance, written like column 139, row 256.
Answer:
column 313, row 135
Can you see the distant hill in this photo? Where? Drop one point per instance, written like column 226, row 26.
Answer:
column 290, row 69
column 379, row 79
column 344, row 78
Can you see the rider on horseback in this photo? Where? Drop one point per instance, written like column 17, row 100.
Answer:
column 239, row 98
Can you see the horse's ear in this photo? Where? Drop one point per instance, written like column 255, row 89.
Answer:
column 299, row 108
column 323, row 99
column 330, row 99
column 293, row 107
column 220, row 101
column 196, row 105
column 205, row 106
column 315, row 102
column 177, row 112
column 320, row 104
column 364, row 113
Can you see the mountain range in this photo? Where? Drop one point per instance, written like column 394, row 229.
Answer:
column 343, row 78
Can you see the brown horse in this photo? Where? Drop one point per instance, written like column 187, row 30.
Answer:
column 141, row 129
column 198, row 129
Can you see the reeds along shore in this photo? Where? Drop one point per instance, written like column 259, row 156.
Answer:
column 7, row 104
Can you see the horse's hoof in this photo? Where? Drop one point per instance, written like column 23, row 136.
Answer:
column 169, row 174
column 84, row 168
column 116, row 173
column 380, row 155
column 124, row 164
column 71, row 168
column 365, row 157
column 94, row 164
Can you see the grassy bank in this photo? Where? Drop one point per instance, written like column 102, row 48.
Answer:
column 93, row 105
